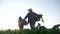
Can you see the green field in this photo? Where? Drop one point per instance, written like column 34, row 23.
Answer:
column 37, row 30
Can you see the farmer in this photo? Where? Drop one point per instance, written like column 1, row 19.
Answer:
column 30, row 17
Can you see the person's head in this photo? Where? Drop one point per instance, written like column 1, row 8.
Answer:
column 30, row 10
column 20, row 17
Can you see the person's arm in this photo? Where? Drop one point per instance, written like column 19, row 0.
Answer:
column 26, row 16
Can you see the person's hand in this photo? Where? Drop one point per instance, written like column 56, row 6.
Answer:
column 24, row 19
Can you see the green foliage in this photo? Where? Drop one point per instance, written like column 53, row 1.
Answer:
column 38, row 30
column 38, row 17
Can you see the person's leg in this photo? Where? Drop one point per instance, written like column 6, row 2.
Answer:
column 21, row 27
column 32, row 25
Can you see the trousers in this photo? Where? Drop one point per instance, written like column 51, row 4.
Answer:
column 32, row 25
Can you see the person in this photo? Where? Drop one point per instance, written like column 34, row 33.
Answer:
column 31, row 15
column 21, row 22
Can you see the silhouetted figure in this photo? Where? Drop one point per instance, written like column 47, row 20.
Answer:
column 31, row 15
column 21, row 22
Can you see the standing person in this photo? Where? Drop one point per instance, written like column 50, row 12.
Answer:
column 20, row 23
column 30, row 17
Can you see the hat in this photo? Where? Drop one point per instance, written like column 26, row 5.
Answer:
column 30, row 9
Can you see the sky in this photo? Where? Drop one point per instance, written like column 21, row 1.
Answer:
column 10, row 10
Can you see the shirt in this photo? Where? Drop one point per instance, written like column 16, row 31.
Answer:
column 30, row 16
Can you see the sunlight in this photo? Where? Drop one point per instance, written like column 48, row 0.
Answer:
column 10, row 20
column 10, row 10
